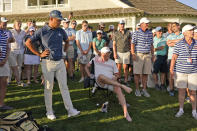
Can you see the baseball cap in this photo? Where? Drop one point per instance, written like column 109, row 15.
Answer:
column 65, row 20
column 32, row 28
column 99, row 31
column 101, row 24
column 56, row 14
column 3, row 19
column 144, row 20
column 105, row 50
column 121, row 22
column 157, row 29
column 187, row 27
column 111, row 27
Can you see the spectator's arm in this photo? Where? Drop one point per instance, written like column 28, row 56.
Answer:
column 115, row 50
column 66, row 45
column 95, row 49
column 79, row 46
column 173, row 61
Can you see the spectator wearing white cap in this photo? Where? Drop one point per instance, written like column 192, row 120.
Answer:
column 84, row 44
column 172, row 39
column 142, row 51
column 160, row 62
column 121, row 49
column 31, row 61
column 16, row 57
column 106, row 74
column 70, row 50
column 98, row 43
column 195, row 34
column 183, row 65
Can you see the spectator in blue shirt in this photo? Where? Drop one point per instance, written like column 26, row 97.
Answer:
column 183, row 64
column 51, row 37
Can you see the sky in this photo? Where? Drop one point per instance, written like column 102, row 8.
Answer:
column 192, row 3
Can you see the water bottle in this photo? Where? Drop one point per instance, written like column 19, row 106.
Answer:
column 104, row 107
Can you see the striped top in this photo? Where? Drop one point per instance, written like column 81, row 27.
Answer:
column 184, row 52
column 3, row 45
column 143, row 41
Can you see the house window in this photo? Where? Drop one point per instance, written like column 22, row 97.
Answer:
column 46, row 3
column 5, row 5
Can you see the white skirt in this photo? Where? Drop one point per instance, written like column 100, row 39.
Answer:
column 31, row 59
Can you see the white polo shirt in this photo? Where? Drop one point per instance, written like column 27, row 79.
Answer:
column 17, row 46
column 106, row 68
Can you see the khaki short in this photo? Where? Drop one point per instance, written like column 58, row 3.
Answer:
column 143, row 64
column 123, row 58
column 15, row 59
column 70, row 52
column 5, row 70
column 82, row 61
column 186, row 80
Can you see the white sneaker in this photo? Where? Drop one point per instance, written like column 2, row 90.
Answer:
column 51, row 117
column 168, row 88
column 73, row 112
column 179, row 113
column 145, row 93
column 81, row 80
column 137, row 93
column 194, row 115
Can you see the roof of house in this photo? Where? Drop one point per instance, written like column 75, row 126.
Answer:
column 154, row 7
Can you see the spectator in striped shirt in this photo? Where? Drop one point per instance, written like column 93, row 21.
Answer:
column 4, row 67
column 183, row 63
column 142, row 52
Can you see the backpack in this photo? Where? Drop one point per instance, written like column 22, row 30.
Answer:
column 19, row 121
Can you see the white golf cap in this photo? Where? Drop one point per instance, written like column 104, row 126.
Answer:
column 187, row 27
column 99, row 31
column 65, row 20
column 157, row 29
column 144, row 20
column 3, row 19
column 32, row 28
column 122, row 22
column 195, row 30
column 105, row 50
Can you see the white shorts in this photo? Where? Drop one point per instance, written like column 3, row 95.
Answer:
column 186, row 80
column 123, row 58
column 5, row 70
column 31, row 59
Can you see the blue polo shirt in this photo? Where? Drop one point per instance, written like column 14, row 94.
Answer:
column 3, row 44
column 184, row 50
column 142, row 40
column 173, row 36
column 160, row 42
column 51, row 39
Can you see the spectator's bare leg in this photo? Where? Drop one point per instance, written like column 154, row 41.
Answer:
column 181, row 97
column 122, row 101
column 163, row 76
column 3, row 85
column 125, row 67
column 28, row 70
column 193, row 99
column 144, row 80
column 171, row 82
column 70, row 67
column 16, row 73
column 155, row 78
column 137, row 78
column 35, row 73
column 119, row 70
column 106, row 80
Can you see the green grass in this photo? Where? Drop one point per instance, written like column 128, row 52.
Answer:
column 153, row 114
